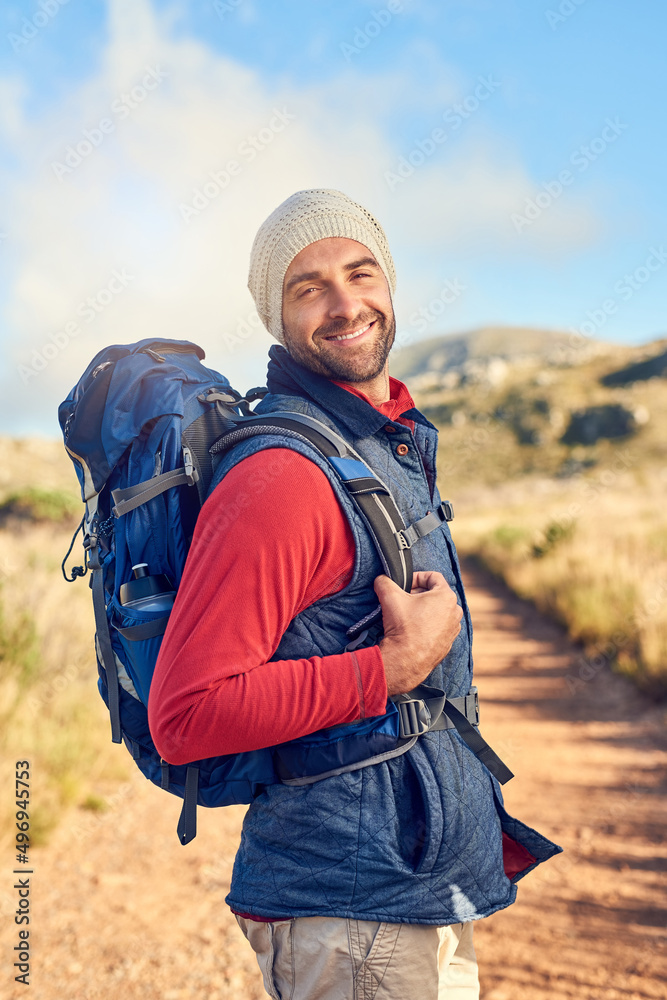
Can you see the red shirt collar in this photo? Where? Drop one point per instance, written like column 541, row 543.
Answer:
column 399, row 400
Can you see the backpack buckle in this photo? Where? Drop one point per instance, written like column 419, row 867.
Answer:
column 154, row 354
column 472, row 706
column 356, row 642
column 414, row 717
column 189, row 466
column 447, row 510
column 259, row 392
column 401, row 539
column 216, row 396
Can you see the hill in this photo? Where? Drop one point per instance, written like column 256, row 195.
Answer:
column 558, row 474
column 473, row 351
column 507, row 415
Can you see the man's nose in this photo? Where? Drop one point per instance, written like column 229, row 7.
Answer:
column 343, row 302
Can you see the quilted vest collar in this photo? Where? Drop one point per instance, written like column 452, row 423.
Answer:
column 286, row 376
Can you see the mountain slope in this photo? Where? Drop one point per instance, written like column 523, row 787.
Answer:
column 509, row 343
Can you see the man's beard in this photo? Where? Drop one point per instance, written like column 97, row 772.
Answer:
column 365, row 365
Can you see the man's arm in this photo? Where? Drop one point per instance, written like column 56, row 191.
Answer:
column 270, row 541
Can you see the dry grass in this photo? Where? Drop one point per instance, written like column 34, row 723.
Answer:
column 590, row 556
column 580, row 530
column 50, row 711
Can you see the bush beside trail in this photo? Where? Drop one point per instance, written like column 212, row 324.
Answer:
column 558, row 475
column 50, row 712
column 602, row 573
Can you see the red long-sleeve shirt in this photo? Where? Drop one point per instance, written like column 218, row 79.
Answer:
column 270, row 541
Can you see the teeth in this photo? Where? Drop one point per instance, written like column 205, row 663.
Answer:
column 350, row 336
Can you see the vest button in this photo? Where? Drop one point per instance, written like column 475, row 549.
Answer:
column 389, row 429
column 402, row 449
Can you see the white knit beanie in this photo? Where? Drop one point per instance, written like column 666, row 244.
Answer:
column 302, row 219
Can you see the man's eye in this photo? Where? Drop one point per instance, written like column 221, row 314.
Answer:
column 362, row 274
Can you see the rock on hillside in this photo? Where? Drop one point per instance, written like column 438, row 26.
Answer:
column 608, row 421
column 654, row 366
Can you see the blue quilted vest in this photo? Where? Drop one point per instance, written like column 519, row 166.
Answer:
column 414, row 839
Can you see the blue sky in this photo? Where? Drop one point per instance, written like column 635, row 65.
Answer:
column 451, row 121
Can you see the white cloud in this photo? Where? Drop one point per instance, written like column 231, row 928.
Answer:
column 469, row 201
column 118, row 210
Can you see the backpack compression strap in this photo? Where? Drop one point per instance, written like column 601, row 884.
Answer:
column 91, row 545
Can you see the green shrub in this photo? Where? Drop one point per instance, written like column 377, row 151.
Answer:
column 553, row 535
column 34, row 504
column 19, row 647
column 508, row 536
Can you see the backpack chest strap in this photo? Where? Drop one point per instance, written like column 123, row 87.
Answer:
column 407, row 537
column 427, row 710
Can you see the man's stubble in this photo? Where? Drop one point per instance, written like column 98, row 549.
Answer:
column 365, row 365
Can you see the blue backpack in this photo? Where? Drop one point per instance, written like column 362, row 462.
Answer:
column 145, row 427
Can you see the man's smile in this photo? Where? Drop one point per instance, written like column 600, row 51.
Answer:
column 354, row 335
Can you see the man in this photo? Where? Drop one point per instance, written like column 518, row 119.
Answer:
column 366, row 883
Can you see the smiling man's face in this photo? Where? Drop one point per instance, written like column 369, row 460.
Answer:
column 338, row 318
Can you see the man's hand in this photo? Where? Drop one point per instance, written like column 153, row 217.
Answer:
column 419, row 627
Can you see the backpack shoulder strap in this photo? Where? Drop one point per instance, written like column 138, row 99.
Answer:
column 370, row 495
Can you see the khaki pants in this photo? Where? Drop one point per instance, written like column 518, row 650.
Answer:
column 328, row 958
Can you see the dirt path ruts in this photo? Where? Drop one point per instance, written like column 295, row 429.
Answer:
column 590, row 774
column 122, row 912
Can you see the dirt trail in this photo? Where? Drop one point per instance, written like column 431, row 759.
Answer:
column 590, row 774
column 121, row 910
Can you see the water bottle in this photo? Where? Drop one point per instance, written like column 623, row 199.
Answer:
column 147, row 593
